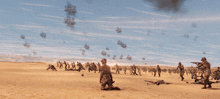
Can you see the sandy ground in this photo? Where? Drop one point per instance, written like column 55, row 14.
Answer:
column 32, row 81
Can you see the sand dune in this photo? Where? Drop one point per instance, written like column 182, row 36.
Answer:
column 32, row 81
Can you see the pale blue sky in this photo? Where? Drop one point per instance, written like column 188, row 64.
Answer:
column 100, row 19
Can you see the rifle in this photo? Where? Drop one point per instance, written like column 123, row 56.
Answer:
column 196, row 62
column 199, row 65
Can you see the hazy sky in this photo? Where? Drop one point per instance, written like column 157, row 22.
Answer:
column 165, row 38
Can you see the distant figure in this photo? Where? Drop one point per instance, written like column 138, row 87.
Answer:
column 80, row 66
column 155, row 71
column 52, row 67
column 99, row 66
column 134, row 70
column 181, row 67
column 206, row 65
column 65, row 64
column 61, row 65
column 125, row 68
column 139, row 71
column 73, row 65
column 158, row 70
column 105, row 75
column 117, row 69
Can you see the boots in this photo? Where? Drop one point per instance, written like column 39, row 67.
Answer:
column 182, row 78
column 204, row 86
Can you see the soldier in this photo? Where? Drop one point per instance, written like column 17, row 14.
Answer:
column 80, row 66
column 206, row 65
column 94, row 66
column 125, row 68
column 99, row 66
column 73, row 65
column 181, row 67
column 134, row 70
column 158, row 70
column 169, row 71
column 65, row 64
column 139, row 71
column 105, row 75
column 154, row 71
column 61, row 65
column 117, row 69
column 68, row 65
column 52, row 67
column 131, row 70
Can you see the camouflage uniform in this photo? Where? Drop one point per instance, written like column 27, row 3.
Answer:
column 73, row 65
column 181, row 67
column 52, row 67
column 105, row 77
column 99, row 66
column 206, row 65
column 158, row 70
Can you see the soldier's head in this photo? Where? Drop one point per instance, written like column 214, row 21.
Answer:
column 104, row 61
column 157, row 65
column 218, row 67
column 203, row 59
column 179, row 63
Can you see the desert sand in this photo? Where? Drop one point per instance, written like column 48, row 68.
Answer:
column 32, row 81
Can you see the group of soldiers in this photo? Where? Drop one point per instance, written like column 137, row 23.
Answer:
column 106, row 76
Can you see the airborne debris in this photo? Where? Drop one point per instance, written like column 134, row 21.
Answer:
column 43, row 35
column 86, row 46
column 27, row 45
column 83, row 52
column 70, row 9
column 34, row 52
column 114, row 57
column 118, row 30
column 108, row 55
column 103, row 52
column 122, row 44
column 70, row 22
column 129, row 57
column 107, row 48
column 143, row 58
column 195, row 39
column 22, row 37
column 186, row 35
column 121, row 57
column 70, row 13
column 193, row 25
column 204, row 52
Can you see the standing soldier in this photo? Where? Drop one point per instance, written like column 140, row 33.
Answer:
column 105, row 75
column 181, row 67
column 99, row 66
column 139, row 71
column 158, row 70
column 131, row 70
column 154, row 70
column 125, row 68
column 65, row 64
column 73, row 65
column 206, row 65
column 134, row 70
column 117, row 69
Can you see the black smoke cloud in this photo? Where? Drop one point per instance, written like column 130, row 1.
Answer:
column 167, row 5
